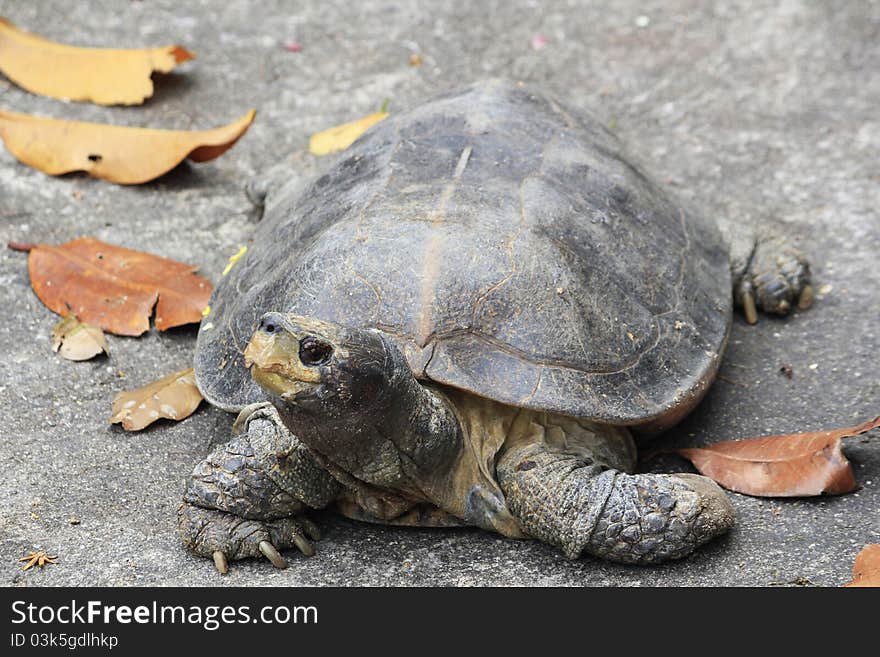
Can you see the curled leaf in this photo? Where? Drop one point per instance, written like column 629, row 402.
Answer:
column 866, row 569
column 116, row 288
column 75, row 340
column 127, row 156
column 174, row 397
column 342, row 136
column 792, row 465
column 106, row 76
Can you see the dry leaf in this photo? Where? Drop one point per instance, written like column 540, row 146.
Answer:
column 342, row 136
column 106, row 76
column 116, row 288
column 76, row 340
column 866, row 569
column 127, row 156
column 233, row 259
column 793, row 465
column 174, row 397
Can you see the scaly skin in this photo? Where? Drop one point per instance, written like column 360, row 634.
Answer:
column 776, row 280
column 252, row 491
column 582, row 506
column 768, row 273
column 355, row 398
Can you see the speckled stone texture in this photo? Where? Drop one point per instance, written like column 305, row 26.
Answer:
column 762, row 111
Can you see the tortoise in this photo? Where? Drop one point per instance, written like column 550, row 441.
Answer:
column 464, row 322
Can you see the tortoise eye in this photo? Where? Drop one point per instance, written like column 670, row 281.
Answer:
column 313, row 352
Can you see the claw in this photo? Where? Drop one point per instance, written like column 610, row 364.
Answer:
column 310, row 528
column 303, row 544
column 220, row 562
column 749, row 308
column 806, row 299
column 238, row 426
column 272, row 554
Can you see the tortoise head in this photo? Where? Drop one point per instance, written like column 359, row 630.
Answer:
column 344, row 391
column 319, row 367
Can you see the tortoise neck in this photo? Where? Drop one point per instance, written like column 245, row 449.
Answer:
column 413, row 431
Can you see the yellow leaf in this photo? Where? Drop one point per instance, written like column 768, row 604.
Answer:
column 233, row 259
column 342, row 136
column 106, row 76
column 174, row 397
column 76, row 340
column 127, row 156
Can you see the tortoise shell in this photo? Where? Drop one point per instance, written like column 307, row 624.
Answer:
column 508, row 246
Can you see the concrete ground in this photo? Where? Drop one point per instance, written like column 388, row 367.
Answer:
column 765, row 111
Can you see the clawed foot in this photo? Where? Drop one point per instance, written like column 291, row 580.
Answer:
column 775, row 280
column 248, row 496
column 223, row 536
column 654, row 518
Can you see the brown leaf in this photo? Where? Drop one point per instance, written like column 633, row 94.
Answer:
column 793, row 465
column 116, row 288
column 106, row 76
column 866, row 569
column 75, row 340
column 342, row 136
column 127, row 156
column 174, row 397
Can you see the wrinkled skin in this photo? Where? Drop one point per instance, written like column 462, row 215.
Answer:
column 454, row 324
column 349, row 422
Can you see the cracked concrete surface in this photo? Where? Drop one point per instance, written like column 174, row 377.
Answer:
column 760, row 111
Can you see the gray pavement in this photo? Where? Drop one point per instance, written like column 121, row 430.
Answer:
column 762, row 111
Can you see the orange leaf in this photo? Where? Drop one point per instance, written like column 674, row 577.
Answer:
column 174, row 397
column 866, row 569
column 792, row 465
column 122, row 155
column 116, row 288
column 106, row 76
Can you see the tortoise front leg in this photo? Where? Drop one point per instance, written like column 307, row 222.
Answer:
column 582, row 506
column 247, row 497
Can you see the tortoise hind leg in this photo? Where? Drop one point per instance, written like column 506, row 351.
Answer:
column 776, row 280
column 580, row 506
column 768, row 273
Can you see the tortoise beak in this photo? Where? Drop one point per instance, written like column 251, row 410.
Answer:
column 273, row 358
